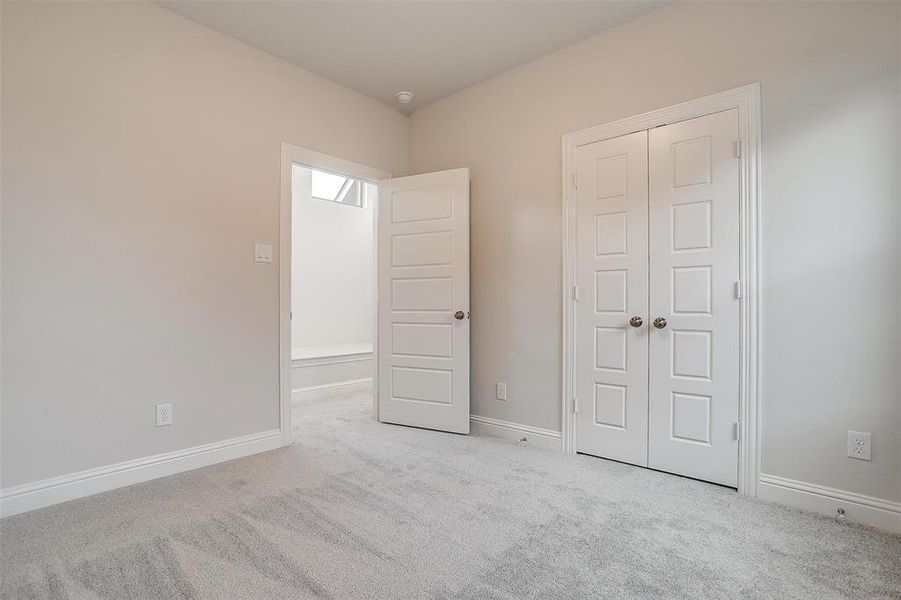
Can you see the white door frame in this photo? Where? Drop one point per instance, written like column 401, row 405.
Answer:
column 747, row 100
column 292, row 155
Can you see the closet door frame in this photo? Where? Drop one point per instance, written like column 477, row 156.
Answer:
column 746, row 100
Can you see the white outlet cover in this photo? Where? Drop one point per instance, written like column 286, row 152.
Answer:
column 163, row 415
column 501, row 391
column 860, row 445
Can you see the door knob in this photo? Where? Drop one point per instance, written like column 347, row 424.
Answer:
column 659, row 322
column 635, row 321
column 459, row 315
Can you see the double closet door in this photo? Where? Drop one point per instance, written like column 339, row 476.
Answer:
column 657, row 320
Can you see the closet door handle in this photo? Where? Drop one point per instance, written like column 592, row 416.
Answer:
column 635, row 321
column 659, row 322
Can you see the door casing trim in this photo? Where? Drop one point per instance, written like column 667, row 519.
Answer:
column 292, row 155
column 747, row 100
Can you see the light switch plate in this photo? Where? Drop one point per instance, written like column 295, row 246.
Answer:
column 262, row 253
column 501, row 391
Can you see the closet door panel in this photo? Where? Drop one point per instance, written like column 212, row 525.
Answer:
column 612, row 278
column 694, row 267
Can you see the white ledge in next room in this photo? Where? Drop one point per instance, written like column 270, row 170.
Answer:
column 334, row 350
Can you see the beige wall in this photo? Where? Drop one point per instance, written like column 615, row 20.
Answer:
column 141, row 157
column 831, row 102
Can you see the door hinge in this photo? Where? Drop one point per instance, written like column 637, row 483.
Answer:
column 575, row 182
column 739, row 291
column 575, row 404
column 738, row 148
column 575, row 293
column 736, row 428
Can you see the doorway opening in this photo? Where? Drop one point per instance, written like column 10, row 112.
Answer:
column 327, row 279
column 415, row 364
column 332, row 295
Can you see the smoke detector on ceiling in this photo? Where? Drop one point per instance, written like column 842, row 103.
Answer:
column 404, row 97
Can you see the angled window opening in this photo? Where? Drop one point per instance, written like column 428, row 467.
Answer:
column 336, row 188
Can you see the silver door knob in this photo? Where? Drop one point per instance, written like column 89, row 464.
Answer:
column 635, row 321
column 459, row 315
column 659, row 322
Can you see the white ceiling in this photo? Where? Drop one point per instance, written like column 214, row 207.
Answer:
column 432, row 48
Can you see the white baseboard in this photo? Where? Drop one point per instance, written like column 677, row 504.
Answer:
column 332, row 389
column 31, row 496
column 876, row 512
column 514, row 432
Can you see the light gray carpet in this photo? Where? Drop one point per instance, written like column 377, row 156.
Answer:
column 357, row 509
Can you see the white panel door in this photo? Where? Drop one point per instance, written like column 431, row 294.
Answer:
column 694, row 258
column 423, row 301
column 612, row 278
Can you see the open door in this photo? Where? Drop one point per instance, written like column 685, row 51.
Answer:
column 423, row 301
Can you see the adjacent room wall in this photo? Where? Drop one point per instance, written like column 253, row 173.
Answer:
column 141, row 158
column 332, row 292
column 831, row 322
column 331, row 269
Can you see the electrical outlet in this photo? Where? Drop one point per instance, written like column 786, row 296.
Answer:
column 860, row 445
column 501, row 391
column 163, row 415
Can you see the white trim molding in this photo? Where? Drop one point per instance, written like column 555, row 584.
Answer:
column 292, row 155
column 857, row 508
column 747, row 100
column 332, row 351
column 31, row 496
column 514, row 432
column 319, row 361
column 325, row 390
